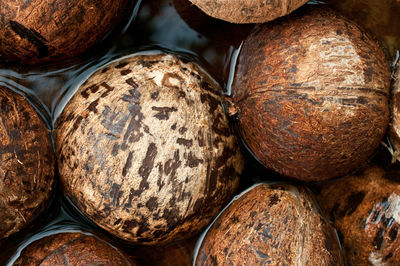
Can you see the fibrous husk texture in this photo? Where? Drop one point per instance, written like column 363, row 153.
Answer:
column 26, row 163
column 312, row 95
column 40, row 31
column 365, row 210
column 248, row 11
column 271, row 225
column 394, row 131
column 145, row 150
column 71, row 249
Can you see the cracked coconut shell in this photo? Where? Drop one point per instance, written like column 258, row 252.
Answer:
column 40, row 31
column 248, row 11
column 71, row 249
column 271, row 224
column 394, row 132
column 26, row 163
column 365, row 209
column 311, row 93
column 145, row 150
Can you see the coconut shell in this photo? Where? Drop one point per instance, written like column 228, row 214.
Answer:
column 311, row 93
column 394, row 132
column 145, row 150
column 40, row 31
column 71, row 249
column 248, row 11
column 26, row 163
column 365, row 210
column 271, row 225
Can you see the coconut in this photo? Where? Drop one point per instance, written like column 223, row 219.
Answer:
column 40, row 31
column 248, row 11
column 145, row 150
column 73, row 248
column 311, row 93
column 365, row 209
column 394, row 132
column 26, row 163
column 275, row 224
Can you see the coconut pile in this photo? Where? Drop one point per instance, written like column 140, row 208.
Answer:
column 146, row 157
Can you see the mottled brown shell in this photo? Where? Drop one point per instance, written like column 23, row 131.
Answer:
column 71, row 249
column 394, row 132
column 39, row 31
column 271, row 225
column 365, row 209
column 248, row 11
column 311, row 93
column 26, row 163
column 145, row 150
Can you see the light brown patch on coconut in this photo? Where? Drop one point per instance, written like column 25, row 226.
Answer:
column 248, row 11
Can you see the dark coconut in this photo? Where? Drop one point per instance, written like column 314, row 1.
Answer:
column 311, row 92
column 177, row 253
column 71, row 249
column 394, row 132
column 26, row 163
column 40, row 31
column 365, row 209
column 271, row 225
column 248, row 11
column 145, row 150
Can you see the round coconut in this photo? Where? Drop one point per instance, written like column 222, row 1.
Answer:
column 145, row 150
column 271, row 225
column 248, row 11
column 40, row 31
column 365, row 210
column 71, row 249
column 26, row 163
column 311, row 93
column 394, row 132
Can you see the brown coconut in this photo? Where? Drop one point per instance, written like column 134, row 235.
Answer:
column 271, row 225
column 26, row 163
column 365, row 209
column 145, row 150
column 394, row 132
column 248, row 11
column 311, row 92
column 41, row 31
column 71, row 249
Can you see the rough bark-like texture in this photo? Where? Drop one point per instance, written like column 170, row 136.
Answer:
column 26, row 163
column 71, row 249
column 40, row 31
column 394, row 132
column 312, row 94
column 248, row 11
column 271, row 225
column 365, row 209
column 145, row 150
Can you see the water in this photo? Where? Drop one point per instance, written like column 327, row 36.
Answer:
column 166, row 25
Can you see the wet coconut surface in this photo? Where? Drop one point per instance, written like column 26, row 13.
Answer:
column 162, row 25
